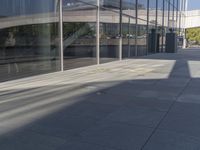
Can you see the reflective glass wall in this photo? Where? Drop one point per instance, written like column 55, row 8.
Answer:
column 79, row 33
column 39, row 37
column 165, row 23
column 142, row 27
column 129, row 29
column 109, row 30
column 160, row 25
column 29, row 38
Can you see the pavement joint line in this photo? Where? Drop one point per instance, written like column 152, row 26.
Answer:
column 157, row 127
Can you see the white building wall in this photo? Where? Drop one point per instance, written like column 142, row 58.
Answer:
column 192, row 19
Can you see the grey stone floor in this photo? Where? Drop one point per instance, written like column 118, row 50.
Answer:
column 150, row 103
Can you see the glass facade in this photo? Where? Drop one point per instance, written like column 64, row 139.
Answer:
column 39, row 37
column 109, row 32
column 128, row 29
column 29, row 38
column 79, row 33
column 142, row 27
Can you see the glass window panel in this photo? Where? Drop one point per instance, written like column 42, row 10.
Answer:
column 111, row 4
column 160, row 12
column 142, row 9
column 129, row 7
column 160, row 24
column 79, row 30
column 29, row 39
column 142, row 38
column 166, row 14
column 132, row 37
column 109, row 35
column 171, row 21
column 125, row 36
column 152, row 12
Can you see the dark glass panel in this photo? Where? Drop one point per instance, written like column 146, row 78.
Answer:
column 142, row 38
column 79, row 30
column 110, row 4
column 152, row 12
column 128, row 32
column 126, row 36
column 129, row 7
column 142, row 9
column 109, row 36
column 29, row 41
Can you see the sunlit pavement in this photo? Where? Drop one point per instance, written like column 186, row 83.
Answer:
column 150, row 103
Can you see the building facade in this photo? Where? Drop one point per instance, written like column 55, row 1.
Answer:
column 42, row 36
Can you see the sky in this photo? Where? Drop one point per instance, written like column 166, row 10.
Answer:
column 193, row 4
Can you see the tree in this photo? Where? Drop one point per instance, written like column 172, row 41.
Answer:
column 193, row 34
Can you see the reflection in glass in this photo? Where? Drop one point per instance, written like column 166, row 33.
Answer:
column 125, row 36
column 110, row 4
column 152, row 12
column 128, row 37
column 128, row 28
column 79, row 30
column 171, row 17
column 129, row 8
column 132, row 37
column 142, row 38
column 109, row 36
column 29, row 38
column 142, row 9
column 142, row 28
column 160, row 29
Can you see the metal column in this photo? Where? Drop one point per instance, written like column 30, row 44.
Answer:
column 61, row 35
column 120, row 31
column 97, row 33
column 163, row 19
column 136, row 28
column 147, row 52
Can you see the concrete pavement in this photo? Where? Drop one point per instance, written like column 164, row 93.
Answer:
column 150, row 103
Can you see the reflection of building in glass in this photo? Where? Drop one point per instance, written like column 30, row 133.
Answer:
column 30, row 39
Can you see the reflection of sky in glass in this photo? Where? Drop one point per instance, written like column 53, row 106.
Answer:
column 193, row 4
column 22, row 7
column 142, row 4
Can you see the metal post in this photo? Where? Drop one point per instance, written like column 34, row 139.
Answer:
column 168, row 14
column 136, row 28
column 98, row 32
column 185, row 13
column 61, row 35
column 120, row 31
column 129, row 47
column 177, row 4
column 147, row 52
column 156, row 14
column 186, row 5
column 180, row 17
column 173, row 19
column 163, row 21
column 156, row 26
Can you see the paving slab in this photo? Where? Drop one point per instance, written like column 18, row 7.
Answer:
column 185, row 123
column 151, row 102
column 63, row 127
column 142, row 116
column 117, row 135
column 77, row 145
column 166, row 140
column 22, row 140
column 158, row 104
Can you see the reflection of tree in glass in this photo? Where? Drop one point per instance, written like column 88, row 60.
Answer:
column 193, row 35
